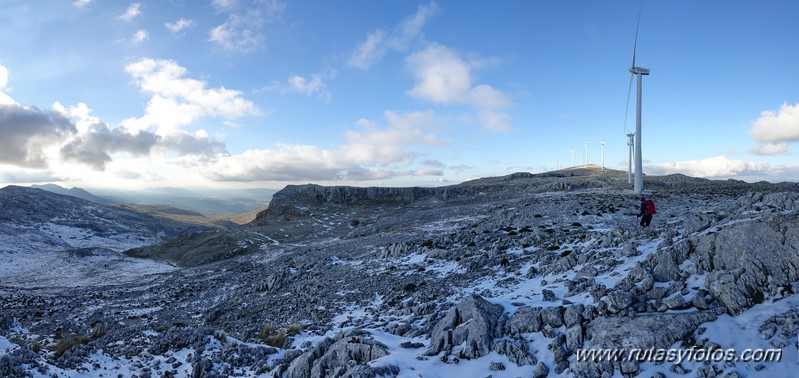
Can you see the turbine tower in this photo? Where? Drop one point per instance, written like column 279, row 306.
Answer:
column 586, row 152
column 602, row 145
column 572, row 156
column 638, row 186
column 630, row 145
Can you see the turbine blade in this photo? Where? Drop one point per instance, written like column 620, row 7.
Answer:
column 627, row 108
column 637, row 24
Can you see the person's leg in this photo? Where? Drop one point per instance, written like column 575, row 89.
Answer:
column 647, row 220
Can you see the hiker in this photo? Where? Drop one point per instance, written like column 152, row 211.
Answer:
column 647, row 210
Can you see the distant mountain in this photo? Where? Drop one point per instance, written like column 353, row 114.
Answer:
column 74, row 192
column 207, row 201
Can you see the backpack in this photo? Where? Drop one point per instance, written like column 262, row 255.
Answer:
column 650, row 207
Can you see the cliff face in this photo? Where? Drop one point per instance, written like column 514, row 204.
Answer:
column 294, row 200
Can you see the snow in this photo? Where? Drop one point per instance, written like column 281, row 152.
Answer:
column 6, row 346
column 413, row 364
column 63, row 269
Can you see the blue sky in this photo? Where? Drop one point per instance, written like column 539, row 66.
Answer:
column 264, row 93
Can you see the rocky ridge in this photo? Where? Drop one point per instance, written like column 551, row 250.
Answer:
column 532, row 268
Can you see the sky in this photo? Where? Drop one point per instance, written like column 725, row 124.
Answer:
column 265, row 93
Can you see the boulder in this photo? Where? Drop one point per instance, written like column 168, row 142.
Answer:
column 340, row 358
column 468, row 329
column 525, row 319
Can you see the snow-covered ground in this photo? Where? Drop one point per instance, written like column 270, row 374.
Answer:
column 396, row 280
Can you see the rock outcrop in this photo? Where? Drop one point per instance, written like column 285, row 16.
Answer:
column 468, row 329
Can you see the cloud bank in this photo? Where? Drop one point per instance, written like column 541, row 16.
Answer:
column 370, row 152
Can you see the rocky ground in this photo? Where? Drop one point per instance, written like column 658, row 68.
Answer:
column 506, row 276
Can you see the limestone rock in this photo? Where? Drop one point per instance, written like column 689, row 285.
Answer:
column 468, row 329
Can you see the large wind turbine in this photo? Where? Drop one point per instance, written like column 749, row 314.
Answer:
column 638, row 186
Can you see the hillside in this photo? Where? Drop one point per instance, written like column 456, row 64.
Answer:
column 51, row 239
column 504, row 276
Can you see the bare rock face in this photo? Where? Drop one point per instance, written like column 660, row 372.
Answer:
column 337, row 358
column 750, row 260
column 468, row 330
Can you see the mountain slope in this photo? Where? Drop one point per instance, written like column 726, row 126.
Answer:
column 44, row 235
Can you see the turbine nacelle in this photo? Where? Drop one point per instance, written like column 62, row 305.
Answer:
column 639, row 71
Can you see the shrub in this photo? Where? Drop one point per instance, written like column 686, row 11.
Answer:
column 409, row 287
column 36, row 347
column 565, row 253
column 504, row 262
column 293, row 329
column 221, row 336
column 66, row 344
column 272, row 336
column 99, row 331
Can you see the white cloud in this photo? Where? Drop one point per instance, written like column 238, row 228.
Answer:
column 179, row 25
column 371, row 153
column 770, row 148
column 443, row 77
column 16, row 175
column 178, row 101
column 243, row 30
column 370, row 51
column 139, row 37
column 3, row 77
column 309, row 86
column 4, row 98
column 717, row 166
column 379, row 42
column 81, row 3
column 223, row 5
column 133, row 11
column 774, row 129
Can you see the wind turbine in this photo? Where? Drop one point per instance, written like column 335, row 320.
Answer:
column 638, row 186
column 572, row 156
column 586, row 152
column 630, row 144
column 602, row 144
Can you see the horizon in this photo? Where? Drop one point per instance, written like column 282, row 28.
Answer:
column 200, row 189
column 237, row 94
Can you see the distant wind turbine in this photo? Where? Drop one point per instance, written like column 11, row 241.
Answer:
column 586, row 152
column 602, row 144
column 638, row 186
column 572, row 156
